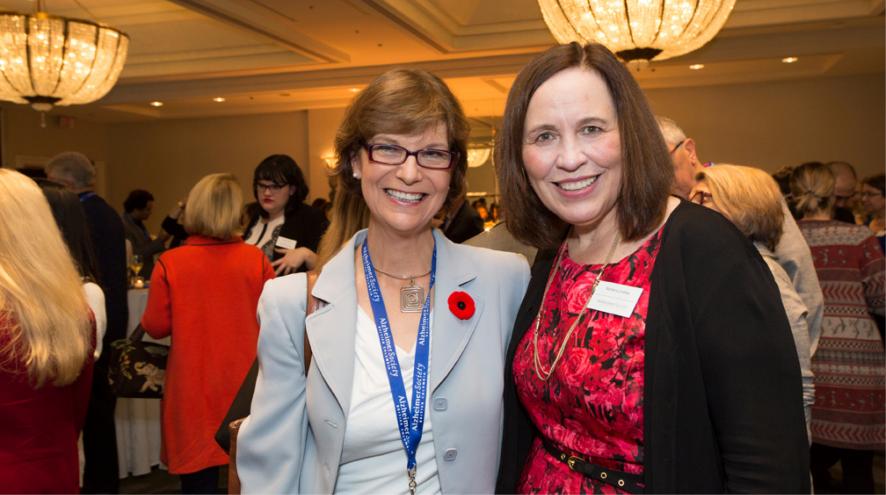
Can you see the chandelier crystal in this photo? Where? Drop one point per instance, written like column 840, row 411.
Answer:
column 47, row 60
column 637, row 29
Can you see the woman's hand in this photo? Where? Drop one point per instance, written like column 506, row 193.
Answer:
column 293, row 259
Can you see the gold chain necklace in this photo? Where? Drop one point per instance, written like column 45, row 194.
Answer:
column 539, row 368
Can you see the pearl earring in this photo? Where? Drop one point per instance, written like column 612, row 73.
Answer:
column 356, row 175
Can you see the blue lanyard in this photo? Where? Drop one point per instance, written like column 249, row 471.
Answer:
column 83, row 197
column 410, row 420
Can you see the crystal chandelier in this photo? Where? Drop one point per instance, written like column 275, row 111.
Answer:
column 637, row 29
column 47, row 60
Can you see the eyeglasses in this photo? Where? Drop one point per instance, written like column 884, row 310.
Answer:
column 870, row 194
column 269, row 186
column 391, row 154
column 702, row 198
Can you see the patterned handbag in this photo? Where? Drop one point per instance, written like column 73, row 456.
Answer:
column 137, row 369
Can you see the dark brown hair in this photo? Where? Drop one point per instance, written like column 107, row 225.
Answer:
column 400, row 101
column 647, row 169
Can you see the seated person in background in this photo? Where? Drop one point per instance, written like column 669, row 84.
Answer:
column 750, row 198
column 283, row 226
column 46, row 346
column 136, row 209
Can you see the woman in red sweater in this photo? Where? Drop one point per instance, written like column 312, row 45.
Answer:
column 205, row 295
column 46, row 345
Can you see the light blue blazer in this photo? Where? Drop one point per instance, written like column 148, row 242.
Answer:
column 292, row 441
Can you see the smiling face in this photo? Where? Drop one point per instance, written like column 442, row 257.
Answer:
column 402, row 199
column 572, row 147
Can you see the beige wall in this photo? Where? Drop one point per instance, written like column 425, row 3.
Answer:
column 784, row 123
column 322, row 126
column 167, row 157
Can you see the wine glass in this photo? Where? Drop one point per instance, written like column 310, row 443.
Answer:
column 135, row 266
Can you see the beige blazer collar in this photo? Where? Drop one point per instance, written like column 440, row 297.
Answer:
column 331, row 328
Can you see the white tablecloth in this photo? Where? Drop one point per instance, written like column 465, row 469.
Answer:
column 138, row 420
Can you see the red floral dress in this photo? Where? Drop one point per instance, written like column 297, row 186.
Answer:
column 592, row 405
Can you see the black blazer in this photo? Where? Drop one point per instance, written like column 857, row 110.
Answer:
column 466, row 223
column 723, row 408
column 303, row 223
column 109, row 246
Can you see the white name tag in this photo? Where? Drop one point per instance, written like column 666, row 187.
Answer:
column 615, row 298
column 285, row 242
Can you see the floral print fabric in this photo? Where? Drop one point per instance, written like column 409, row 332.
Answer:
column 592, row 404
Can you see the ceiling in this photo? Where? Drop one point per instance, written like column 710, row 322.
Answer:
column 266, row 56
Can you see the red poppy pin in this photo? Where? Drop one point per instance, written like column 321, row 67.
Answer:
column 461, row 305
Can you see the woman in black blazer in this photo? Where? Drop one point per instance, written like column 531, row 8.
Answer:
column 280, row 223
column 651, row 352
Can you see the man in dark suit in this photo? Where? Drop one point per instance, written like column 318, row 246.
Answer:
column 76, row 172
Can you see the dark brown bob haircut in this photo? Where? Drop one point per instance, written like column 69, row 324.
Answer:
column 400, row 101
column 647, row 168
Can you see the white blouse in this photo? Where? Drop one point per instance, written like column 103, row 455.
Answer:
column 373, row 459
column 96, row 300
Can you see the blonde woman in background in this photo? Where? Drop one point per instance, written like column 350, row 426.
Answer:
column 848, row 420
column 204, row 294
column 750, row 198
column 46, row 345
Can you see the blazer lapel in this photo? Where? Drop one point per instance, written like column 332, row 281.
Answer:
column 331, row 327
column 450, row 335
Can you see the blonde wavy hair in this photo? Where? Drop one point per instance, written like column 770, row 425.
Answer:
column 749, row 197
column 214, row 207
column 41, row 294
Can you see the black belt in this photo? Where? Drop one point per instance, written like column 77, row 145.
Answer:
column 632, row 483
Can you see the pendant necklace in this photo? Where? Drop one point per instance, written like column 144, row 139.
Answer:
column 542, row 373
column 412, row 296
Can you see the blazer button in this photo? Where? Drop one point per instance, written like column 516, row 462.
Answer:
column 440, row 404
column 450, row 455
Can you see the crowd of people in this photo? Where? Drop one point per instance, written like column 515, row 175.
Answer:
column 685, row 326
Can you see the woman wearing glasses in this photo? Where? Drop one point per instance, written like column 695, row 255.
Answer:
column 404, row 389
column 651, row 353
column 286, row 229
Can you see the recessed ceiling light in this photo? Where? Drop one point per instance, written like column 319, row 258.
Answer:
column 789, row 60
column 696, row 66
column 218, row 99
column 354, row 90
column 156, row 103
